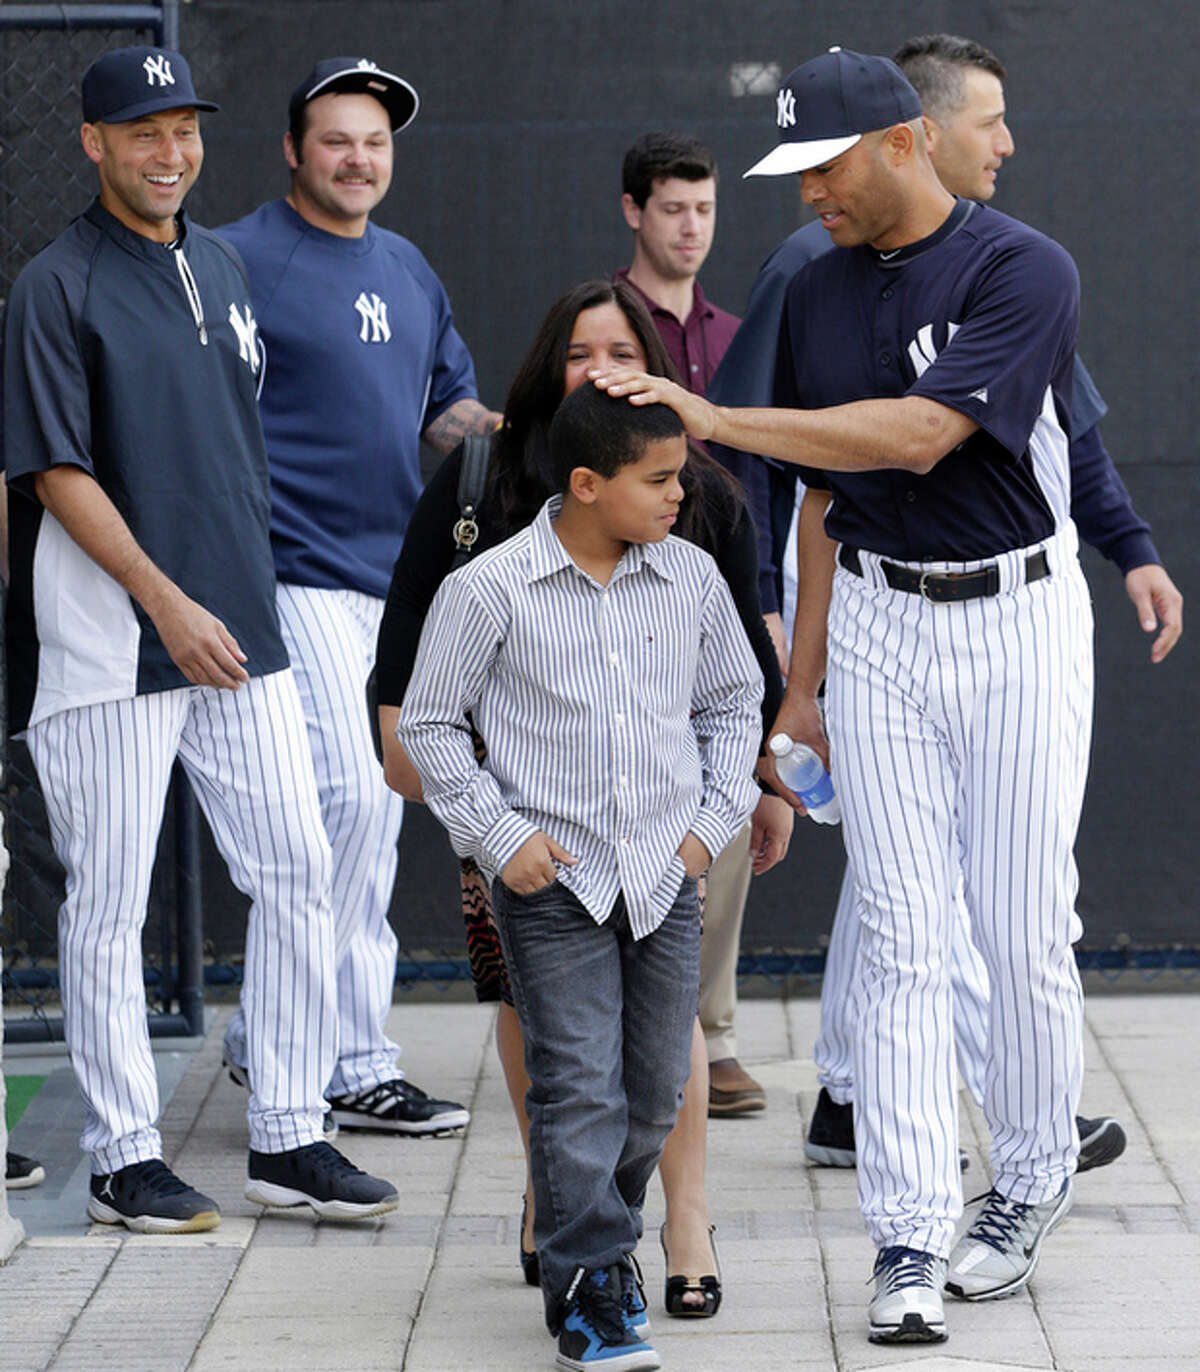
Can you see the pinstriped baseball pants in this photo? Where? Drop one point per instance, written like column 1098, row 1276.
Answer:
column 330, row 637
column 104, row 771
column 959, row 738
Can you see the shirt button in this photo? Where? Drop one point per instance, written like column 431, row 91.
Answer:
column 624, row 781
column 885, row 358
column 695, row 366
column 618, row 720
column 888, row 293
column 910, row 496
column 614, row 658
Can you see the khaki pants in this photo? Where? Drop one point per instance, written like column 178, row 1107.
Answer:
column 728, row 886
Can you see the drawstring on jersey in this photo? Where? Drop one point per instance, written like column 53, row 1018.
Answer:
column 192, row 293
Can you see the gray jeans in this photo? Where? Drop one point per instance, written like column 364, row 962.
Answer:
column 607, row 1022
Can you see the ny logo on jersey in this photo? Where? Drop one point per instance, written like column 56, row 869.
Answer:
column 785, row 109
column 921, row 351
column 373, row 312
column 246, row 328
column 158, row 69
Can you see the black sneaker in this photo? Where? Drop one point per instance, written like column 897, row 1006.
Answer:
column 1101, row 1141
column 594, row 1333
column 240, row 1076
column 149, row 1198
column 319, row 1176
column 399, row 1107
column 20, row 1172
column 830, row 1141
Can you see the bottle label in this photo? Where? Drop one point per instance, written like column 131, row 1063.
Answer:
column 818, row 795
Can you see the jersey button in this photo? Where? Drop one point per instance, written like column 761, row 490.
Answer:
column 885, row 359
column 910, row 496
column 888, row 293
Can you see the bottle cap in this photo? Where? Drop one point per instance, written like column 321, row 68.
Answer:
column 780, row 745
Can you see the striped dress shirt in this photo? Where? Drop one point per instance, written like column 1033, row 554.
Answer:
column 616, row 717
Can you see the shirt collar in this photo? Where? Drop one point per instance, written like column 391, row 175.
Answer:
column 137, row 243
column 958, row 216
column 548, row 556
column 700, row 306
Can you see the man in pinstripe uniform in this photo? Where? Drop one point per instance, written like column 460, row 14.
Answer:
column 142, row 627
column 930, row 358
column 364, row 361
column 606, row 667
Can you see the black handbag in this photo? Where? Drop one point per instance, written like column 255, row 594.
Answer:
column 472, row 481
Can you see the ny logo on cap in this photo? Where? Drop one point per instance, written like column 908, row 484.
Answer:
column 158, row 69
column 365, row 64
column 785, row 108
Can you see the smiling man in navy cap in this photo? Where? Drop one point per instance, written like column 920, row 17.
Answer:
column 365, row 361
column 141, row 627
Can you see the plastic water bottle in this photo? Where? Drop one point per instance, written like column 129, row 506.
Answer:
column 802, row 770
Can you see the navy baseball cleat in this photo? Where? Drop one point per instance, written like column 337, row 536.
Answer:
column 149, row 1198
column 20, row 1172
column 1101, row 1141
column 399, row 1107
column 319, row 1176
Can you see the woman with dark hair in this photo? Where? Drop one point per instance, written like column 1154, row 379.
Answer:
column 597, row 325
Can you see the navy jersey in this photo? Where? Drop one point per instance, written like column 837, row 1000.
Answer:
column 981, row 316
column 362, row 355
column 137, row 363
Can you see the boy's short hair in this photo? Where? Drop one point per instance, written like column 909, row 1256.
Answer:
column 657, row 156
column 604, row 433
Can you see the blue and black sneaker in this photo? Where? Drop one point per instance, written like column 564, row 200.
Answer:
column 594, row 1333
column 633, row 1297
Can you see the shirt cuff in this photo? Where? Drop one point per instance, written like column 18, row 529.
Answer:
column 712, row 831
column 503, row 839
column 1134, row 550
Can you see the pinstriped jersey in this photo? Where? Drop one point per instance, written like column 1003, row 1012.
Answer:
column 139, row 364
column 981, row 316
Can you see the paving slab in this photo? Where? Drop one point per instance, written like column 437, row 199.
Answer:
column 435, row 1287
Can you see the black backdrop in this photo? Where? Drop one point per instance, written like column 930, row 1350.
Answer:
column 509, row 182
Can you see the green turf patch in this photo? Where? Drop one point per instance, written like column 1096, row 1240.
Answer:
column 21, row 1090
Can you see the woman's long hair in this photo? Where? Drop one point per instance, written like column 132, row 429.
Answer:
column 521, row 479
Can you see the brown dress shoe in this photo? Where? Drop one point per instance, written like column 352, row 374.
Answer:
column 732, row 1090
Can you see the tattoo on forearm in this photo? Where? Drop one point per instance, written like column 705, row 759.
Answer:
column 463, row 417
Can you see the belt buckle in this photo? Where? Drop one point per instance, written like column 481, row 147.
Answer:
column 922, row 588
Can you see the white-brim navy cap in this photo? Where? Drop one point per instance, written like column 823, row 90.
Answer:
column 825, row 106
column 358, row 74
column 128, row 83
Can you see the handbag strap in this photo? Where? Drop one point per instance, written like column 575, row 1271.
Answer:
column 472, row 480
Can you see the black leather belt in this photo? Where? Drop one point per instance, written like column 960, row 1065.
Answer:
column 945, row 587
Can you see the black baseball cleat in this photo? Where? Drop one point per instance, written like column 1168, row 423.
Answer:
column 20, row 1172
column 398, row 1107
column 149, row 1198
column 319, row 1176
column 1101, row 1141
column 830, row 1141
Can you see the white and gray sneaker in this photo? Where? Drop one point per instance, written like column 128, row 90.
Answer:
column 998, row 1253
column 907, row 1305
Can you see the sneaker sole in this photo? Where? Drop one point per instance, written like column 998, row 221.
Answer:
column 34, row 1178
column 645, row 1360
column 441, row 1126
column 912, row 1329
column 153, row 1224
column 830, row 1157
column 1010, row 1288
column 277, row 1197
column 1103, row 1145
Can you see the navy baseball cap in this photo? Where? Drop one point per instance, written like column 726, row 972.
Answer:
column 825, row 106
column 130, row 82
column 357, row 74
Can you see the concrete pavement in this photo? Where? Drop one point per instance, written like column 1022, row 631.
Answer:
column 436, row 1287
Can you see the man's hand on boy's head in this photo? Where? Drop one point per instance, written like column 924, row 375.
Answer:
column 699, row 417
column 696, row 857
column 532, row 867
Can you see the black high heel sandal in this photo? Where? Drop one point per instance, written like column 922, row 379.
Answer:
column 530, row 1265
column 677, row 1287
